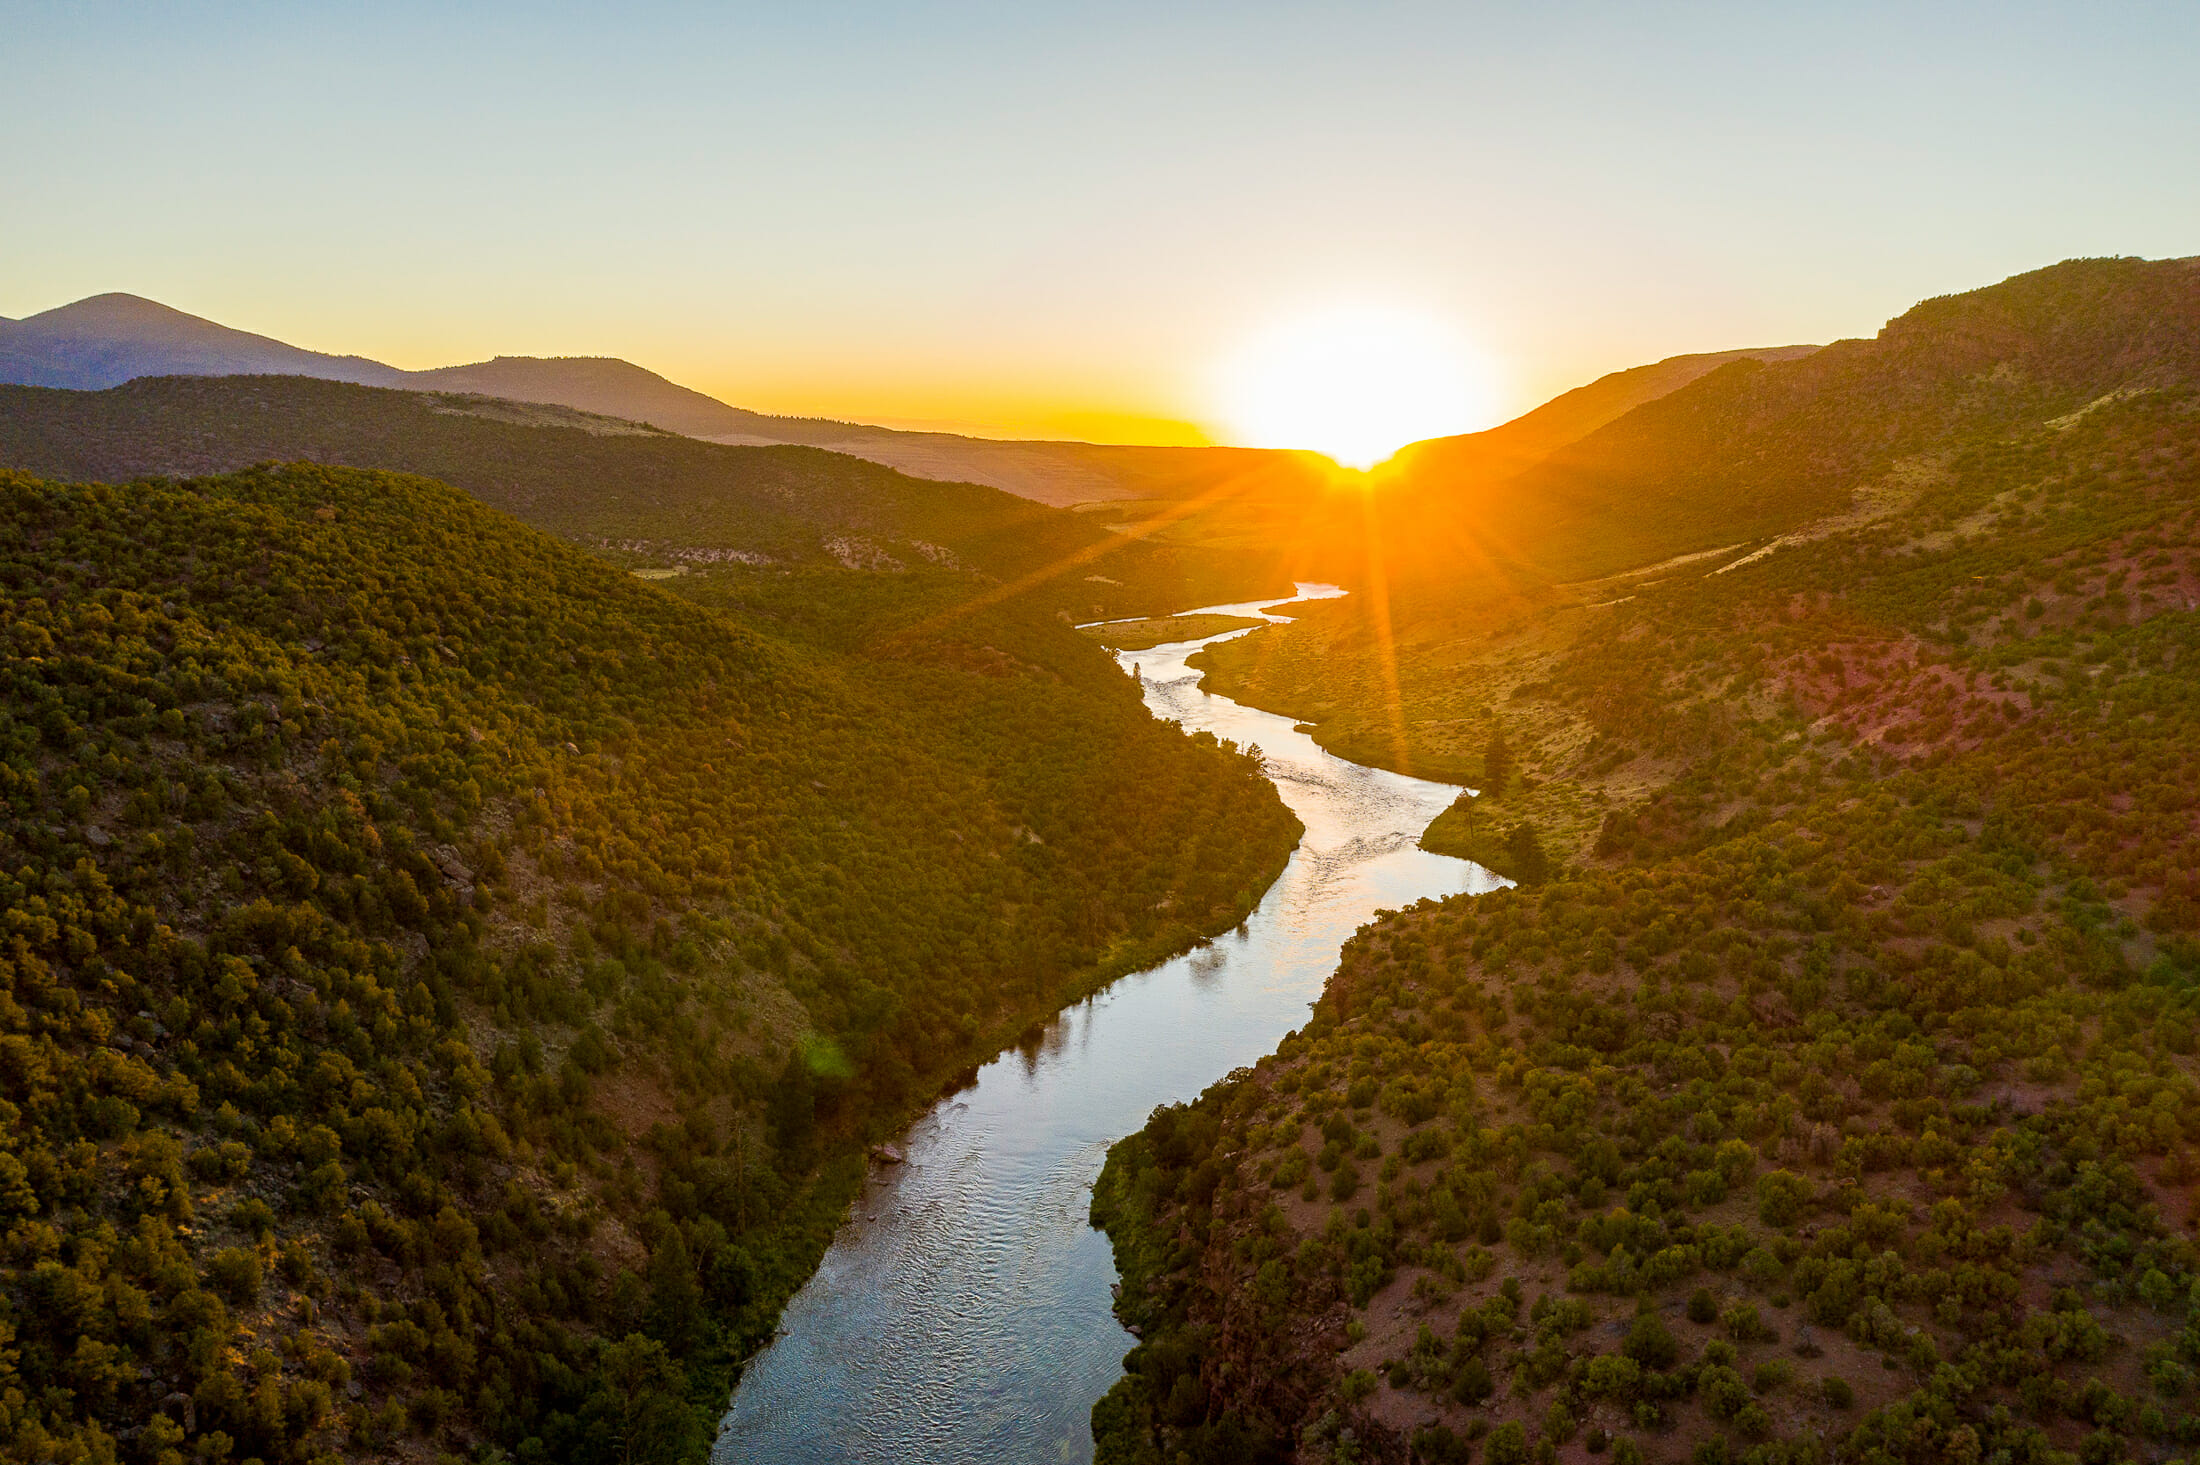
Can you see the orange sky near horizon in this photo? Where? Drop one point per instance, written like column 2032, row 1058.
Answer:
column 1057, row 220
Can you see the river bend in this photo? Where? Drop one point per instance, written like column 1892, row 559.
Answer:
column 963, row 1313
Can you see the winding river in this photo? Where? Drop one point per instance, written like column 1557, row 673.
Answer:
column 963, row 1312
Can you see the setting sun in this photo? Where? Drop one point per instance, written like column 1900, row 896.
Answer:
column 1356, row 383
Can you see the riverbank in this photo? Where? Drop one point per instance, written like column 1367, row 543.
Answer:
column 813, row 1217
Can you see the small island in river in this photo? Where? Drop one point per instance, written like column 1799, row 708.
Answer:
column 1143, row 635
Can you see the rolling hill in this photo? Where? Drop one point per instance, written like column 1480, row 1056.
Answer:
column 1756, row 447
column 1513, row 446
column 1442, row 510
column 655, row 498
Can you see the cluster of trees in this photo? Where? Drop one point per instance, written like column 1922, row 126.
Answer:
column 1837, row 1101
column 446, row 982
column 1473, row 828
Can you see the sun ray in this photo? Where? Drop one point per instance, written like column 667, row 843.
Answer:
column 1386, row 647
column 1231, row 487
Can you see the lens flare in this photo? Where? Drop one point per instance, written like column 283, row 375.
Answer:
column 1357, row 383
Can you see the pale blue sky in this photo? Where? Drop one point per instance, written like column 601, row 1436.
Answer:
column 1006, row 213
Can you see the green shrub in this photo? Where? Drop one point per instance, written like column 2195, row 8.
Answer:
column 1782, row 1196
column 1744, row 1325
column 1612, row 1376
column 235, row 1272
column 1650, row 1343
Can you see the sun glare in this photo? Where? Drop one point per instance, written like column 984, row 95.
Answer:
column 1356, row 383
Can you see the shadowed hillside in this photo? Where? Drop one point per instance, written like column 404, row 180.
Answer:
column 656, row 498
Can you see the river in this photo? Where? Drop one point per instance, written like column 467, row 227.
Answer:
column 963, row 1313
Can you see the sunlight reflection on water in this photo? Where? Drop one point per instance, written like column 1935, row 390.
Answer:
column 963, row 1314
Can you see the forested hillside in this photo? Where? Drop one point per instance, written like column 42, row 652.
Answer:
column 1830, row 1092
column 448, row 980
column 651, row 497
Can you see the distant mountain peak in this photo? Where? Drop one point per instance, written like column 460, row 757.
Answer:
column 120, row 310
column 108, row 299
column 105, row 340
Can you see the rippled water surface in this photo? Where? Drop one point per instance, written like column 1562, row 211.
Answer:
column 963, row 1312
